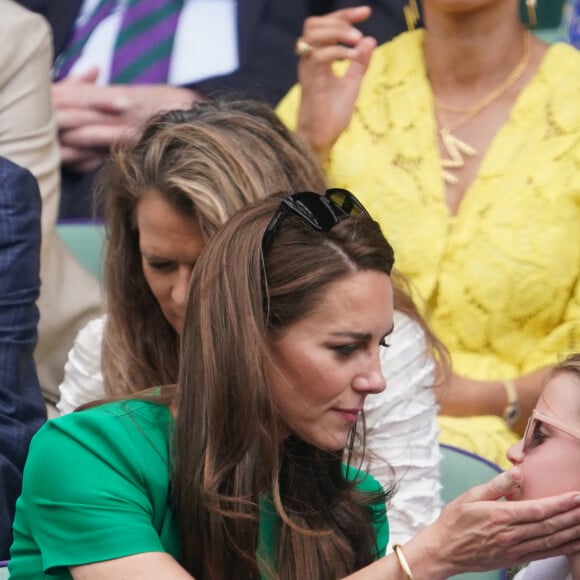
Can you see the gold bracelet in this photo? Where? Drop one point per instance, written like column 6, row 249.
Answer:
column 398, row 549
column 512, row 410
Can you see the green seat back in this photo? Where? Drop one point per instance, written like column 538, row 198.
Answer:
column 85, row 241
column 460, row 471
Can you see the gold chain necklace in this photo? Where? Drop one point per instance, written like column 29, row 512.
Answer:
column 456, row 148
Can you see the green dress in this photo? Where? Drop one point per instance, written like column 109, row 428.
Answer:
column 97, row 487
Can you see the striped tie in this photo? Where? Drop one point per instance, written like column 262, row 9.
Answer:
column 79, row 38
column 145, row 42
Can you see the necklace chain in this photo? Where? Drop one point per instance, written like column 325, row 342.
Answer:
column 454, row 146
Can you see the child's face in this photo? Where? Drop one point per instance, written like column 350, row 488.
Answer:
column 550, row 462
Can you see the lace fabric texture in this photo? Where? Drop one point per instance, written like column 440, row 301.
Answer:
column 500, row 280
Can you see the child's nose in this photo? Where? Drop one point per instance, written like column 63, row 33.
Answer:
column 515, row 454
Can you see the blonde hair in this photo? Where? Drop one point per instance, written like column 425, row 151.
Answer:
column 571, row 364
column 207, row 162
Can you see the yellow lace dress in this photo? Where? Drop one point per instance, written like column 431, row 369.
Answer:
column 499, row 281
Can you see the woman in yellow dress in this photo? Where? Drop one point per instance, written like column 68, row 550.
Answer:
column 463, row 140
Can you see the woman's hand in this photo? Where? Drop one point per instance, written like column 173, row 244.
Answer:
column 327, row 99
column 475, row 532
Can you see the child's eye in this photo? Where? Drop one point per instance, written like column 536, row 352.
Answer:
column 384, row 342
column 538, row 436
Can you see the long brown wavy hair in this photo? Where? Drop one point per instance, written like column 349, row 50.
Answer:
column 228, row 449
column 206, row 162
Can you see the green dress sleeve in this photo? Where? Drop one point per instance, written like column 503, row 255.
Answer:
column 367, row 483
column 96, row 487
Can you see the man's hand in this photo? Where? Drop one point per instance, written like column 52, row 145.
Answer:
column 91, row 118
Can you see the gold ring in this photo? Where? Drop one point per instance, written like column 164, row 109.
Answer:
column 302, row 48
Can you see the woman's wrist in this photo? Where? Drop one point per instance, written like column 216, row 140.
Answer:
column 321, row 151
column 398, row 550
column 419, row 559
column 426, row 559
column 511, row 412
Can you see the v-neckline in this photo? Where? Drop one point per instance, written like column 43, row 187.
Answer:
column 492, row 151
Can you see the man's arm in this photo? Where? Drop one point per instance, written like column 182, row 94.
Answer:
column 22, row 408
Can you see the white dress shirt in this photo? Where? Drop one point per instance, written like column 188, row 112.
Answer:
column 205, row 45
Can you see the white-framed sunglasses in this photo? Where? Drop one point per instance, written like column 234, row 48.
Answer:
column 539, row 417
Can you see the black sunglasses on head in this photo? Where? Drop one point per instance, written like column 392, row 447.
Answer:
column 320, row 212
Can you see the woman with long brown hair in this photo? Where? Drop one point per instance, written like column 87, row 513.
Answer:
column 238, row 471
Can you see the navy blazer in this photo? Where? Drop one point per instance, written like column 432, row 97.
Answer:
column 267, row 31
column 22, row 408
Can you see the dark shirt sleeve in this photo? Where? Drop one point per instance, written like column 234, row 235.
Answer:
column 22, row 409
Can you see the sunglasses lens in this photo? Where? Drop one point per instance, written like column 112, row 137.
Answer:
column 321, row 212
column 314, row 211
column 347, row 202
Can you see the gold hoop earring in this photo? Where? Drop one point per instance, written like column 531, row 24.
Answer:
column 532, row 17
column 411, row 12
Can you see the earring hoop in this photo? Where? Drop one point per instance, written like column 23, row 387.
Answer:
column 411, row 12
column 532, row 16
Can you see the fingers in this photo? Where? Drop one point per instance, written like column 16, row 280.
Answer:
column 564, row 509
column 328, row 95
column 68, row 118
column 500, row 486
column 81, row 160
column 361, row 57
column 564, row 543
column 94, row 137
column 354, row 14
column 525, row 510
column 535, row 529
column 346, row 16
column 89, row 76
column 322, row 31
column 543, row 537
column 81, row 95
column 334, row 28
